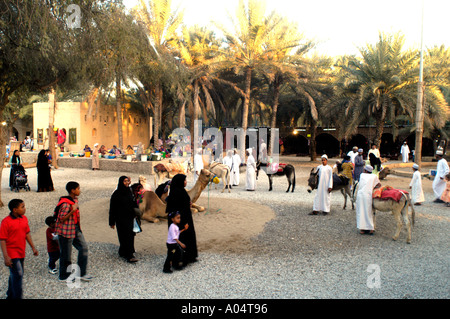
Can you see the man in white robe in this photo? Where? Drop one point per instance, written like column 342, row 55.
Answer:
column 235, row 170
column 417, row 197
column 405, row 152
column 251, row 171
column 439, row 182
column 322, row 201
column 228, row 161
column 364, row 216
column 353, row 153
column 198, row 164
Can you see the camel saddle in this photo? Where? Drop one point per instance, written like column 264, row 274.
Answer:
column 388, row 192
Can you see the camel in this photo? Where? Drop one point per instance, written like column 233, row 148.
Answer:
column 222, row 171
column 152, row 207
column 344, row 186
column 169, row 170
column 399, row 210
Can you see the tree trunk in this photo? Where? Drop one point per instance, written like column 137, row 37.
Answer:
column 51, row 131
column 313, row 144
column 182, row 119
column 248, row 84
column 3, row 132
column 276, row 97
column 196, row 103
column 119, row 111
column 380, row 117
column 419, row 124
column 158, row 107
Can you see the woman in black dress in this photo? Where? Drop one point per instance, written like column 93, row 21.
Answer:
column 16, row 164
column 121, row 215
column 44, row 178
column 179, row 200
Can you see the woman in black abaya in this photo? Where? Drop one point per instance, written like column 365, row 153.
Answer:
column 44, row 178
column 179, row 201
column 121, row 215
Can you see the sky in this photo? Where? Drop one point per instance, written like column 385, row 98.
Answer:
column 341, row 26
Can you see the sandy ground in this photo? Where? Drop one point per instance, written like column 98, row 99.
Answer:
column 222, row 228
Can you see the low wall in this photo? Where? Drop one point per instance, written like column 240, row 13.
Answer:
column 117, row 165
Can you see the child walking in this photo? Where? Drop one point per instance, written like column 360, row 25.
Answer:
column 52, row 244
column 446, row 194
column 69, row 234
column 174, row 246
column 14, row 234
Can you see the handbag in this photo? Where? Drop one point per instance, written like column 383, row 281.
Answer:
column 136, row 226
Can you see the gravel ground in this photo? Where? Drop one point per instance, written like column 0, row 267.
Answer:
column 297, row 256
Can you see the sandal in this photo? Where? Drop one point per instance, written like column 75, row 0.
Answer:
column 314, row 213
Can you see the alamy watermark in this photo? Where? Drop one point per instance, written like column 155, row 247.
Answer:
column 374, row 279
column 255, row 140
column 73, row 21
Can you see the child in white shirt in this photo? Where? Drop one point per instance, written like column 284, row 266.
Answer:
column 174, row 246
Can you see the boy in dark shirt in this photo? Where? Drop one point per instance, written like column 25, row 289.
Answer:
column 52, row 244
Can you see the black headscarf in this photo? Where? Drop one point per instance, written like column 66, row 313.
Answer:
column 15, row 159
column 42, row 159
column 121, row 186
column 122, row 204
column 179, row 200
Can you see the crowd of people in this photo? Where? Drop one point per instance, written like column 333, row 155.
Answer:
column 363, row 174
column 64, row 230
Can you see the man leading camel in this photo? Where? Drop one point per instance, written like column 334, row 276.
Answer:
column 322, row 200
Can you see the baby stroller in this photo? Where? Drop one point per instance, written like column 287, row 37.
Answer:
column 20, row 179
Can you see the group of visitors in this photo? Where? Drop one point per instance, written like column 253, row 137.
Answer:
column 181, row 239
column 62, row 233
column 368, row 180
column 43, row 166
column 233, row 161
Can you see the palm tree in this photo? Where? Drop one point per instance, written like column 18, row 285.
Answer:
column 378, row 85
column 284, row 64
column 247, row 46
column 311, row 90
column 161, row 23
column 197, row 49
column 381, row 85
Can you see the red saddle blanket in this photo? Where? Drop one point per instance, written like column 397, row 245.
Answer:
column 388, row 192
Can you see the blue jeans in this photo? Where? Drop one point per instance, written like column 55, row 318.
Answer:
column 15, row 279
column 65, row 247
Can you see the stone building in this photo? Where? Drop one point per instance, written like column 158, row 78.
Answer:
column 87, row 127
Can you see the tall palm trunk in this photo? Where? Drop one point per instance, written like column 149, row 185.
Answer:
column 51, row 129
column 158, row 107
column 196, row 103
column 380, row 117
column 313, row 144
column 276, row 98
column 3, row 132
column 248, row 83
column 119, row 111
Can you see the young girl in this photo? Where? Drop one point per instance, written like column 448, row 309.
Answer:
column 446, row 194
column 173, row 243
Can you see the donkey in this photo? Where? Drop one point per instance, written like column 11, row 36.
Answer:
column 288, row 171
column 399, row 210
column 344, row 186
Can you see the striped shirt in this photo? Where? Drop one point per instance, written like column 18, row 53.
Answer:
column 67, row 228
